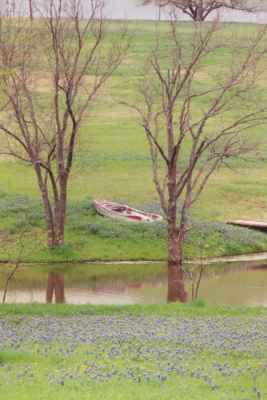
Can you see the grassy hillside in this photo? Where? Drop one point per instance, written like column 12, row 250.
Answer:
column 112, row 162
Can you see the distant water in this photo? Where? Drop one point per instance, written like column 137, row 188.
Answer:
column 131, row 9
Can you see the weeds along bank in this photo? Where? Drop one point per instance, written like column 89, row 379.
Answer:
column 112, row 162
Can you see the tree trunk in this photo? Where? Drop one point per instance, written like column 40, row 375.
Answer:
column 199, row 14
column 176, row 285
column 51, row 234
column 31, row 10
column 55, row 219
column 49, row 216
column 50, row 223
column 61, row 213
column 175, row 240
column 54, row 216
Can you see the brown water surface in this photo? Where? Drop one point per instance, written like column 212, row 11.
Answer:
column 238, row 284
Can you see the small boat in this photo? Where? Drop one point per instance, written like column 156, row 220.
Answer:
column 251, row 224
column 124, row 212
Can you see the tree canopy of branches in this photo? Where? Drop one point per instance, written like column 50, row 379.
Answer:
column 199, row 10
column 187, row 118
column 51, row 73
column 11, row 7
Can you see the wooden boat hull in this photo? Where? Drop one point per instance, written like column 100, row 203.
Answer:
column 124, row 213
column 257, row 225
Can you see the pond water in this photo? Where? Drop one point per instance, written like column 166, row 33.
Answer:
column 243, row 284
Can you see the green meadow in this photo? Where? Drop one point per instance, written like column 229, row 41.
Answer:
column 171, row 351
column 112, row 162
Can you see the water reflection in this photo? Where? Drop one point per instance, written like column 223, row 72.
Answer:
column 244, row 284
column 176, row 286
column 55, row 288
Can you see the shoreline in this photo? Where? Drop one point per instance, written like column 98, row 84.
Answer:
column 248, row 257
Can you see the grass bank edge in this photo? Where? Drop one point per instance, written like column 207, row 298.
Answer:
column 112, row 250
column 191, row 310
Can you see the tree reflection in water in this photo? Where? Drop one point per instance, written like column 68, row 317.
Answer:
column 55, row 288
column 176, row 287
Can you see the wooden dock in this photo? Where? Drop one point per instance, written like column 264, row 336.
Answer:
column 258, row 225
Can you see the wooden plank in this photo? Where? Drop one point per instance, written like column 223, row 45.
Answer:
column 252, row 224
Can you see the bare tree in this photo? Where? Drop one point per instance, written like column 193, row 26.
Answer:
column 199, row 10
column 191, row 128
column 30, row 2
column 19, row 258
column 51, row 75
column 17, row 7
column 195, row 274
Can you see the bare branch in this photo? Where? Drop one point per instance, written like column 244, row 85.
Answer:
column 196, row 127
column 80, row 60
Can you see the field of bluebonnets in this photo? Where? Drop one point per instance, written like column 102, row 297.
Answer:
column 133, row 357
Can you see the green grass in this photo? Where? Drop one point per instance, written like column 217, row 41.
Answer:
column 112, row 162
column 184, row 388
column 66, row 369
column 92, row 237
column 192, row 310
column 187, row 389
